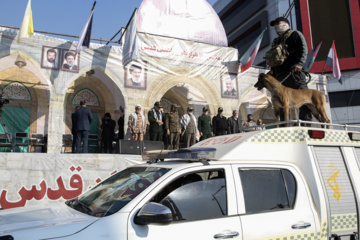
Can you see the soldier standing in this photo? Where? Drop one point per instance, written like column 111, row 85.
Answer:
column 156, row 123
column 165, row 137
column 173, row 127
column 204, row 125
column 220, row 124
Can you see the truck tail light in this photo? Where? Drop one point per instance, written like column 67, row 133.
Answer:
column 316, row 134
column 354, row 136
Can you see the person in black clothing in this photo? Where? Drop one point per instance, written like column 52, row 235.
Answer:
column 220, row 124
column 83, row 119
column 234, row 123
column 297, row 48
column 107, row 136
column 121, row 122
column 73, row 130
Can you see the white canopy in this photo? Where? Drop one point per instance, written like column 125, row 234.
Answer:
column 193, row 20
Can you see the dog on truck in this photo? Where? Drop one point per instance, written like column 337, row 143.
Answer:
column 287, row 98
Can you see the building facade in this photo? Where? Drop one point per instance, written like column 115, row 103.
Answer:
column 317, row 20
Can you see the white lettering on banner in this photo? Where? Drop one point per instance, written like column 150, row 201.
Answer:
column 76, row 188
column 218, row 141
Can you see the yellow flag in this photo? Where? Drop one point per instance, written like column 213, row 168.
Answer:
column 27, row 28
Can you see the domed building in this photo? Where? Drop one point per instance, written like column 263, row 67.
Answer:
column 193, row 20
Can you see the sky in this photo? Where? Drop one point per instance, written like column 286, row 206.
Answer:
column 70, row 16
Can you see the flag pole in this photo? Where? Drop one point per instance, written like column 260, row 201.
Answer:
column 127, row 25
column 93, row 5
column 322, row 73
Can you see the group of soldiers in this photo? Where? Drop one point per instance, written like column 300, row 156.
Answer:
column 171, row 128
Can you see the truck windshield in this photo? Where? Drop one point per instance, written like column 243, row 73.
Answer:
column 114, row 193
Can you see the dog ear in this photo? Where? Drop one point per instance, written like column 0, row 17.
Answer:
column 261, row 75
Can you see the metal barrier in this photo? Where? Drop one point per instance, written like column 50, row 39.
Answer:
column 300, row 123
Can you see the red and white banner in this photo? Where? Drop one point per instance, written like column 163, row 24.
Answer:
column 47, row 178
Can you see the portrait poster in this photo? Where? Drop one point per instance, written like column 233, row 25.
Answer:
column 68, row 61
column 50, row 57
column 228, row 82
column 136, row 75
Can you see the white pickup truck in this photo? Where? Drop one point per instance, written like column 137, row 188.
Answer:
column 282, row 183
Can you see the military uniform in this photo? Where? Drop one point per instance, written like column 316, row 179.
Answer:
column 205, row 126
column 172, row 123
column 166, row 138
column 156, row 129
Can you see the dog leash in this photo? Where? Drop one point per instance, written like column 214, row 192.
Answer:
column 292, row 72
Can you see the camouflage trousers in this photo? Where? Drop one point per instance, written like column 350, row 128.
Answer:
column 137, row 136
column 174, row 140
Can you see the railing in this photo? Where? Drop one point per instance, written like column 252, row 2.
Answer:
column 300, row 123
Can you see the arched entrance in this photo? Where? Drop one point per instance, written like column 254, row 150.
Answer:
column 28, row 94
column 184, row 95
column 101, row 94
column 178, row 85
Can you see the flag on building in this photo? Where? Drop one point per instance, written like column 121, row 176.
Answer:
column 130, row 47
column 85, row 36
column 333, row 62
column 311, row 56
column 249, row 57
column 27, row 27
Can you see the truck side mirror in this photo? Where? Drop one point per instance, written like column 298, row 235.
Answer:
column 153, row 213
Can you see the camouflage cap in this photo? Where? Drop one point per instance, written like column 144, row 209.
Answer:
column 174, row 105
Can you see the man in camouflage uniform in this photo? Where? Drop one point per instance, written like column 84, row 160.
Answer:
column 136, row 123
column 173, row 127
column 204, row 125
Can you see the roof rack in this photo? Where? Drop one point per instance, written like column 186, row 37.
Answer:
column 300, row 123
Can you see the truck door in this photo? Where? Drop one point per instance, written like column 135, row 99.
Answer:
column 341, row 201
column 276, row 204
column 203, row 204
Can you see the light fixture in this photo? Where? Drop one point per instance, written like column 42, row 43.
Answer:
column 20, row 62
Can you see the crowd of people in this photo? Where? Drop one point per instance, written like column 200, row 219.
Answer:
column 170, row 128
column 185, row 131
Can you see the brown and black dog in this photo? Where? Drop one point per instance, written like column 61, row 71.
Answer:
column 288, row 98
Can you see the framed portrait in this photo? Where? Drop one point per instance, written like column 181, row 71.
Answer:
column 50, row 57
column 136, row 75
column 68, row 61
column 228, row 82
